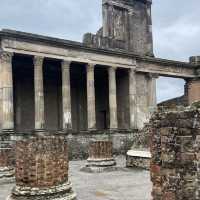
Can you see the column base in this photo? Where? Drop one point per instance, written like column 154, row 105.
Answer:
column 100, row 165
column 41, row 132
column 7, row 131
column 61, row 192
column 7, row 175
column 65, row 131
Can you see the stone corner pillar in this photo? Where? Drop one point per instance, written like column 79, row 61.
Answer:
column 152, row 97
column 42, row 170
column 193, row 85
column 91, row 110
column 112, row 98
column 39, row 93
column 7, row 91
column 66, row 96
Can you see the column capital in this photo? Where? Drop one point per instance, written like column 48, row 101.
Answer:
column 132, row 70
column 66, row 63
column 6, row 56
column 90, row 66
column 153, row 75
column 38, row 60
column 112, row 68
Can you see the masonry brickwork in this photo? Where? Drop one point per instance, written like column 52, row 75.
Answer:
column 42, row 169
column 175, row 140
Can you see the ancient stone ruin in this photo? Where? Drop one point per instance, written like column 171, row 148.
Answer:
column 100, row 157
column 175, row 155
column 42, row 170
column 105, row 85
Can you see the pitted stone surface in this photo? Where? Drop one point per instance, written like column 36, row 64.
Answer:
column 42, row 169
column 175, row 155
column 100, row 157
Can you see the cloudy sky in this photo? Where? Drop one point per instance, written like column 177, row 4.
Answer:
column 176, row 27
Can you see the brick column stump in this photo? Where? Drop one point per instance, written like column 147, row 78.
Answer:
column 42, row 170
column 100, row 157
column 7, row 171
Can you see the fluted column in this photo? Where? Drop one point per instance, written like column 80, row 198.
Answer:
column 66, row 95
column 91, row 112
column 7, row 92
column 132, row 99
column 39, row 93
column 112, row 98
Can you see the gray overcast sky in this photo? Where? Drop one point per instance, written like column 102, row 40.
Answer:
column 176, row 27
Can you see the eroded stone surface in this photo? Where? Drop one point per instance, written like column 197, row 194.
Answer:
column 42, row 169
column 175, row 155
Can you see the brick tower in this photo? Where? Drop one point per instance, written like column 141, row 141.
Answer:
column 127, row 25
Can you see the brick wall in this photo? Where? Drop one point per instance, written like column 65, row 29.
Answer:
column 100, row 149
column 41, row 162
column 175, row 148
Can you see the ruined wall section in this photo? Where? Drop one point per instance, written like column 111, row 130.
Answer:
column 127, row 25
column 175, row 148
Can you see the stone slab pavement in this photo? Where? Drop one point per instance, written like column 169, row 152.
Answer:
column 123, row 184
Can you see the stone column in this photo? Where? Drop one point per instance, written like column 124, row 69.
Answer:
column 193, row 85
column 152, row 98
column 42, row 170
column 112, row 98
column 132, row 99
column 66, row 96
column 39, row 93
column 100, row 156
column 7, row 92
column 91, row 112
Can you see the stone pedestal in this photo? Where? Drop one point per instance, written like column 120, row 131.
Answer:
column 138, row 159
column 42, row 170
column 6, row 163
column 100, row 157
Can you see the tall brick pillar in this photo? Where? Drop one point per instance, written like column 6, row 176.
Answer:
column 100, row 157
column 193, row 85
column 175, row 148
column 42, row 170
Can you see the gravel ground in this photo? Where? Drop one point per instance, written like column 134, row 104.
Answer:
column 123, row 184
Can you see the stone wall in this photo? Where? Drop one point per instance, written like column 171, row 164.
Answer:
column 79, row 143
column 175, row 140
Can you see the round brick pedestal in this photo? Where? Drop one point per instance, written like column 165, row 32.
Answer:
column 42, row 170
column 6, row 163
column 100, row 157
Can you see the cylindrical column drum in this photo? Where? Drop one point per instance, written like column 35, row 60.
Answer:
column 6, row 162
column 100, row 156
column 42, row 170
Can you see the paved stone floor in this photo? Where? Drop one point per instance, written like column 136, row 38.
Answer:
column 124, row 184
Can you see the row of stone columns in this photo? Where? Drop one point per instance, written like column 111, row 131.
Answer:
column 7, row 95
